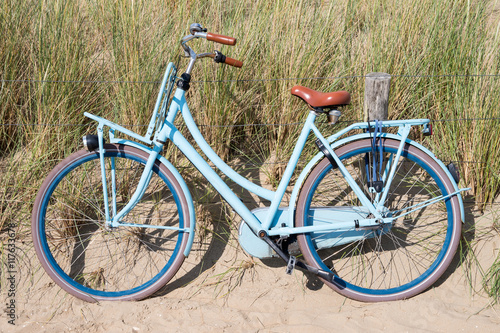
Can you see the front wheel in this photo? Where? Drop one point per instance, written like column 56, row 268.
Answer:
column 96, row 262
column 394, row 261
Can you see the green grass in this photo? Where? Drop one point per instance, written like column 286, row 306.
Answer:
column 108, row 53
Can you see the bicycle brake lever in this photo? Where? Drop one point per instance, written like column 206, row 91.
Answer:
column 219, row 57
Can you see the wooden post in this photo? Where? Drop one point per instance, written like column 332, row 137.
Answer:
column 377, row 86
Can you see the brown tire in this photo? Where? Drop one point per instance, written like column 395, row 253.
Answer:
column 392, row 262
column 94, row 262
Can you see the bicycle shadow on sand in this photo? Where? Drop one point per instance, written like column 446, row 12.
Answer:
column 216, row 223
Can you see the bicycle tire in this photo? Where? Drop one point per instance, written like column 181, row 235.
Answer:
column 381, row 265
column 96, row 263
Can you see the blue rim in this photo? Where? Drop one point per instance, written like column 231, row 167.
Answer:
column 54, row 263
column 346, row 285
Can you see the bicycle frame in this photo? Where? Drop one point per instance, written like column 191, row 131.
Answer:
column 361, row 239
column 166, row 130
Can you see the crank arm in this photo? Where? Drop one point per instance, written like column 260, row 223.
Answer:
column 328, row 276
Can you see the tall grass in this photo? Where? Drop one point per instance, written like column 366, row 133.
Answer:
column 104, row 57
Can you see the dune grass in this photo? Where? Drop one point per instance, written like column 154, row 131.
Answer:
column 62, row 58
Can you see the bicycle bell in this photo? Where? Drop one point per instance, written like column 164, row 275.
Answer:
column 196, row 27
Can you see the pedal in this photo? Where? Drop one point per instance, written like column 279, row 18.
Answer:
column 291, row 265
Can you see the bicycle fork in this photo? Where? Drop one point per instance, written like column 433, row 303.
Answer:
column 113, row 218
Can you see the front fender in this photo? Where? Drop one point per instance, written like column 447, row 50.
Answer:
column 319, row 156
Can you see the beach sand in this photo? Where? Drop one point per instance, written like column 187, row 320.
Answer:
column 221, row 289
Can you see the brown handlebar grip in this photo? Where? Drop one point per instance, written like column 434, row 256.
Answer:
column 233, row 62
column 221, row 39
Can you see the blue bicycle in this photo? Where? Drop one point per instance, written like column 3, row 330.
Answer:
column 377, row 216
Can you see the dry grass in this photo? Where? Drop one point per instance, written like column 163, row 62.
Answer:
column 101, row 57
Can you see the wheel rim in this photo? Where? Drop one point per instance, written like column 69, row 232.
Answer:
column 362, row 282
column 101, row 281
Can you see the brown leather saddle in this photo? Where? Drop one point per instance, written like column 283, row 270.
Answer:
column 317, row 99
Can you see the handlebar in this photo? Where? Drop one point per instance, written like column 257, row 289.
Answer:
column 197, row 31
column 220, row 58
column 221, row 39
column 233, row 62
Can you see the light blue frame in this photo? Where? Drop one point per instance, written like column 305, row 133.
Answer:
column 164, row 129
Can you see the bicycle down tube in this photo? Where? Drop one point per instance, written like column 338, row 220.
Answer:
column 170, row 132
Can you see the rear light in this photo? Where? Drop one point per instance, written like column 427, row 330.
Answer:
column 427, row 131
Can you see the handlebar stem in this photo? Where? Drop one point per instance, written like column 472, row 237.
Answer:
column 193, row 57
column 190, row 65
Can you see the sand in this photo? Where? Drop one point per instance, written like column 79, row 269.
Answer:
column 221, row 289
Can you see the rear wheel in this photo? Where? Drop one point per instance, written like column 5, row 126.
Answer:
column 92, row 261
column 394, row 261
